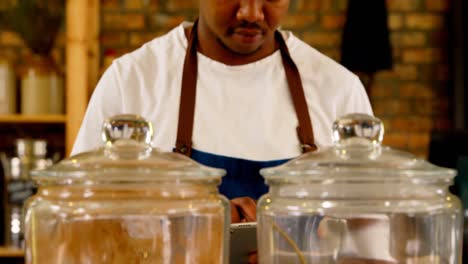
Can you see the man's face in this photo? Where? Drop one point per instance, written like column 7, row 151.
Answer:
column 242, row 26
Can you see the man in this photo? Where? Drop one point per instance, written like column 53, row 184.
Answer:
column 229, row 91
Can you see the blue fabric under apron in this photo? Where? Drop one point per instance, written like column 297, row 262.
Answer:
column 243, row 176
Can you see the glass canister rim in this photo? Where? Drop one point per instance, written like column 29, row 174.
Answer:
column 329, row 166
column 358, row 156
column 367, row 175
column 127, row 155
column 155, row 166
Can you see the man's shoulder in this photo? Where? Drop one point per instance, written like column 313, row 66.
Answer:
column 162, row 47
column 310, row 59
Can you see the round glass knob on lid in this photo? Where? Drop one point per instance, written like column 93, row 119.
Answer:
column 127, row 137
column 358, row 129
column 124, row 128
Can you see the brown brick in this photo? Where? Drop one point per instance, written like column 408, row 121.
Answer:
column 382, row 90
column 9, row 38
column 437, row 5
column 386, row 121
column 134, row 4
column 412, row 124
column 421, row 55
column 386, row 75
column 422, row 107
column 299, row 21
column 326, row 5
column 110, row 4
column 166, row 22
column 424, row 21
column 341, row 5
column 396, row 140
column 5, row 4
column 391, row 107
column 395, row 21
column 403, row 5
column 128, row 21
column 408, row 39
column 139, row 38
column 416, row 90
column 323, row 39
column 181, row 5
column 308, row 5
column 333, row 21
column 114, row 38
column 418, row 140
column 406, row 71
column 397, row 54
column 434, row 73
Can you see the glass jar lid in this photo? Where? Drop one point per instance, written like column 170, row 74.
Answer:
column 127, row 156
column 358, row 155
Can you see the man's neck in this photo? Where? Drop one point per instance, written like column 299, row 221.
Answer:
column 222, row 54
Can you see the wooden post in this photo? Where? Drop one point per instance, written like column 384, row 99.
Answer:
column 93, row 45
column 82, row 61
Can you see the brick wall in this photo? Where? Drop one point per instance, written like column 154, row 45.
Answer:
column 411, row 99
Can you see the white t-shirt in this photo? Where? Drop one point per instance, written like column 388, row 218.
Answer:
column 241, row 111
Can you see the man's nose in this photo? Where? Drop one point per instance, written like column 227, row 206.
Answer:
column 251, row 11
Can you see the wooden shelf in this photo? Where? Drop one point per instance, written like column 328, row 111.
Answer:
column 31, row 119
column 6, row 252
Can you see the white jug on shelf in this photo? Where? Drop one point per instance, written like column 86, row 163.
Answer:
column 7, row 87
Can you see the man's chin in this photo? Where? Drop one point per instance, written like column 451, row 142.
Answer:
column 243, row 50
column 240, row 48
column 246, row 51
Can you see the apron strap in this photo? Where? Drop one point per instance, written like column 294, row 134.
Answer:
column 304, row 130
column 188, row 95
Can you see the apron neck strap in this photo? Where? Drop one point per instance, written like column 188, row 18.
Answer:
column 304, row 130
column 188, row 95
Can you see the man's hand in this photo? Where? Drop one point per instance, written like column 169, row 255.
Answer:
column 243, row 209
column 253, row 259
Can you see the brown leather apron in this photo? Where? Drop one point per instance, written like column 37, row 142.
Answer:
column 188, row 94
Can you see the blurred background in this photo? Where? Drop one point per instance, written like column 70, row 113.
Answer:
column 415, row 77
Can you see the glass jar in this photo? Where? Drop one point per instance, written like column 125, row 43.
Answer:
column 127, row 203
column 359, row 202
column 30, row 155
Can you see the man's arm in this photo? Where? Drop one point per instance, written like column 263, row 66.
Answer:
column 105, row 102
column 243, row 209
column 356, row 100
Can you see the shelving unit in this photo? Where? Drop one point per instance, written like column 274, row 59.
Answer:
column 11, row 255
column 6, row 252
column 82, row 72
column 82, row 56
column 36, row 119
